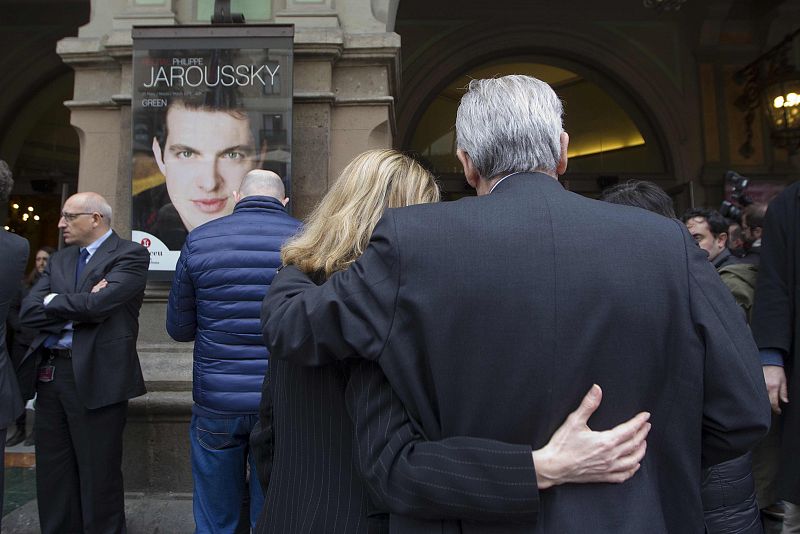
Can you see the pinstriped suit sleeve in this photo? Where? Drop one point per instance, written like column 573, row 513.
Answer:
column 453, row 478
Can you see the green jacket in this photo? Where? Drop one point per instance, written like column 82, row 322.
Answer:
column 741, row 280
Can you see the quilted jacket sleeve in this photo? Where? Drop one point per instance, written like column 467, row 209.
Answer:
column 181, row 312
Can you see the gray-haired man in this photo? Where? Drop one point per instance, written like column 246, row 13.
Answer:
column 491, row 316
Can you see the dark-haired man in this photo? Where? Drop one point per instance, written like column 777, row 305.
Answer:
column 776, row 328
column 204, row 154
column 641, row 194
column 710, row 230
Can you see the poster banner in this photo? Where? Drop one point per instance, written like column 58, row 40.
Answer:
column 209, row 104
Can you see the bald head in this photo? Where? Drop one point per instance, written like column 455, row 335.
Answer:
column 85, row 218
column 262, row 183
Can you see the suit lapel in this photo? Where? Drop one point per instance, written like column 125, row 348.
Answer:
column 96, row 261
column 70, row 263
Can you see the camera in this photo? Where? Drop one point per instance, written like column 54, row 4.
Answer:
column 739, row 200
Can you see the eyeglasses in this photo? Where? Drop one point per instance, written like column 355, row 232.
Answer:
column 69, row 217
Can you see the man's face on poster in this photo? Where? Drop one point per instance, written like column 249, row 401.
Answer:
column 205, row 156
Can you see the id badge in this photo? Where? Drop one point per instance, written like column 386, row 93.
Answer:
column 46, row 373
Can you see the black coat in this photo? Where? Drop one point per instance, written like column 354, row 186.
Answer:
column 776, row 323
column 106, row 323
column 14, row 251
column 489, row 321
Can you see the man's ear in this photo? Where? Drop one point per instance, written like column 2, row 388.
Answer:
column 757, row 232
column 285, row 201
column 159, row 157
column 722, row 238
column 470, row 172
column 562, row 162
column 236, row 196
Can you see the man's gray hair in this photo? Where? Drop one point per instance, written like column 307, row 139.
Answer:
column 510, row 124
column 6, row 181
column 262, row 183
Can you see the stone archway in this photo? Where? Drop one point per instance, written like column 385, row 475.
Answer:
column 608, row 59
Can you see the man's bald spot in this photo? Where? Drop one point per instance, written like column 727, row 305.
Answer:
column 91, row 202
column 262, row 183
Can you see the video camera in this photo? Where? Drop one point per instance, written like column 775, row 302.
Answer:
column 739, row 200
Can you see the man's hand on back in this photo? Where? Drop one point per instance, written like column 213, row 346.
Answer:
column 577, row 454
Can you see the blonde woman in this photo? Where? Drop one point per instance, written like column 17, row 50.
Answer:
column 313, row 485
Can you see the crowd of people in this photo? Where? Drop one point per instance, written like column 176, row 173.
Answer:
column 526, row 360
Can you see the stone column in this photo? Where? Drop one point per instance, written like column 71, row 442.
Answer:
column 345, row 78
column 156, row 457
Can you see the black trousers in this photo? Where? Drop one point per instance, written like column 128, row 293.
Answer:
column 78, row 459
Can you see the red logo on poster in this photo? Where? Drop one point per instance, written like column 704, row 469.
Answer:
column 145, row 242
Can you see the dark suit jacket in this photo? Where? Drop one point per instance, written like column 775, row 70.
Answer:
column 776, row 321
column 492, row 316
column 14, row 251
column 106, row 323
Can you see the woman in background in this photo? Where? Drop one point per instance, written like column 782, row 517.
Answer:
column 22, row 338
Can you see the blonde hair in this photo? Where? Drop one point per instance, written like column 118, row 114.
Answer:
column 339, row 228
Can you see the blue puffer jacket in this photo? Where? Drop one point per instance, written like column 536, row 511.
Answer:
column 222, row 275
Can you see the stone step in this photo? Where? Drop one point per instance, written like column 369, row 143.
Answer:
column 145, row 514
column 166, row 366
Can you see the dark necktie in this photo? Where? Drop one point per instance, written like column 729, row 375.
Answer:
column 81, row 264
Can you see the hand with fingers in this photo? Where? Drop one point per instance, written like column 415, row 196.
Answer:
column 99, row 285
column 577, row 454
column 775, row 377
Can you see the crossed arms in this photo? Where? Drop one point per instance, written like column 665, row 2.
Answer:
column 125, row 279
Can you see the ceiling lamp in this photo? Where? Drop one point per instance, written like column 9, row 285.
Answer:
column 772, row 83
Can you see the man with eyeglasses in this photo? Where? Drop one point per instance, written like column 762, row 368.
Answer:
column 86, row 308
